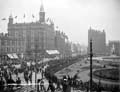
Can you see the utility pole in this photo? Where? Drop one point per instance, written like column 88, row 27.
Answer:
column 91, row 55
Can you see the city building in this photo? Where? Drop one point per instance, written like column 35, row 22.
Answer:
column 76, row 49
column 98, row 41
column 114, row 45
column 34, row 38
column 38, row 36
column 10, row 45
column 62, row 44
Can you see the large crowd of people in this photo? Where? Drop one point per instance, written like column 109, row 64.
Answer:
column 6, row 80
column 9, row 84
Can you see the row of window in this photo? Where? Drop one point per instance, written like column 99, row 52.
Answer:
column 12, row 43
column 10, row 50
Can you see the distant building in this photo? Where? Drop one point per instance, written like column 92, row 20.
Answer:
column 115, row 45
column 83, row 50
column 62, row 44
column 68, row 51
column 98, row 41
column 76, row 49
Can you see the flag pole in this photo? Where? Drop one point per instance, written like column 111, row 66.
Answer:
column 16, row 19
column 33, row 18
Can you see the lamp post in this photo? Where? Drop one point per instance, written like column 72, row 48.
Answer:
column 91, row 55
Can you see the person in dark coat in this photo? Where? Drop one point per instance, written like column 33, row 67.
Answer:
column 66, row 86
column 30, row 76
column 51, row 87
column 42, row 85
column 18, row 81
column 2, row 82
column 10, row 82
column 26, row 76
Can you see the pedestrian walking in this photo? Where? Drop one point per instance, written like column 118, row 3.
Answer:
column 51, row 87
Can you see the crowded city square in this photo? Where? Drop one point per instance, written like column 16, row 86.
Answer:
column 59, row 46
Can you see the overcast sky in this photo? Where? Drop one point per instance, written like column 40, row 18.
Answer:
column 74, row 17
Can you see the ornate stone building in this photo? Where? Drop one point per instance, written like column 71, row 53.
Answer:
column 36, row 37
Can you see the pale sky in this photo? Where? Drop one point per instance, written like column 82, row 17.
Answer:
column 74, row 17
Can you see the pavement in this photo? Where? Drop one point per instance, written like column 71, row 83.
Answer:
column 72, row 70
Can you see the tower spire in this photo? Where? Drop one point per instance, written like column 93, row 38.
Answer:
column 41, row 7
column 42, row 13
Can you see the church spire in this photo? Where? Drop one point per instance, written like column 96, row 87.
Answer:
column 42, row 13
column 41, row 7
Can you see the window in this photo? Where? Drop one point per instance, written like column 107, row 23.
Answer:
column 13, row 43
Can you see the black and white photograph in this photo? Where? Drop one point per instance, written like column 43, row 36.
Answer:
column 59, row 45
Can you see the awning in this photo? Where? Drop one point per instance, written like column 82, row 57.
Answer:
column 10, row 56
column 52, row 52
column 15, row 55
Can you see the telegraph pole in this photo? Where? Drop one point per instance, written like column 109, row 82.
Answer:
column 91, row 55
